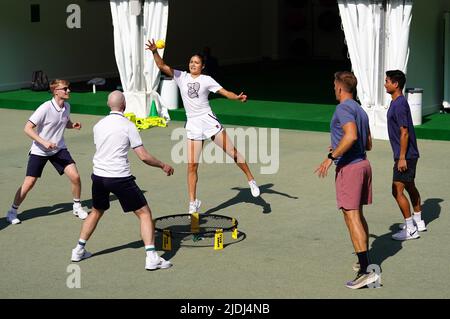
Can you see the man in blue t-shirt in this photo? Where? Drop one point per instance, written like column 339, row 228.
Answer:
column 350, row 139
column 404, row 146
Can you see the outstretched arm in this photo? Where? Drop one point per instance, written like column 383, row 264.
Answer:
column 148, row 159
column 233, row 96
column 158, row 60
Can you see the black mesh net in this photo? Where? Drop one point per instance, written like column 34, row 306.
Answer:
column 207, row 224
column 182, row 233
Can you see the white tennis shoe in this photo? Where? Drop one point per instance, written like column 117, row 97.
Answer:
column 254, row 188
column 406, row 234
column 194, row 207
column 420, row 225
column 78, row 255
column 158, row 263
column 11, row 217
column 79, row 212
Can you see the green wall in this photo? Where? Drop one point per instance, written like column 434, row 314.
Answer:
column 49, row 45
column 425, row 65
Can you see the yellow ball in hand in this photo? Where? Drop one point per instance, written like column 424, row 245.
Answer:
column 160, row 44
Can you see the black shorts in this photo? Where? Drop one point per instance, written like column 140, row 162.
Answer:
column 125, row 188
column 407, row 176
column 60, row 160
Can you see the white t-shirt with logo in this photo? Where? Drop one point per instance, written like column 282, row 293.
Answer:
column 114, row 135
column 194, row 92
column 50, row 121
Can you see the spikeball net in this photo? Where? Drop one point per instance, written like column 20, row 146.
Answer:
column 197, row 230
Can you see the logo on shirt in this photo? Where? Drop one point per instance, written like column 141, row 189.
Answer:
column 193, row 89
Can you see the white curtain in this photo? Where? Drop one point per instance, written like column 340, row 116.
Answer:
column 361, row 20
column 377, row 40
column 156, row 15
column 138, row 73
column 398, row 21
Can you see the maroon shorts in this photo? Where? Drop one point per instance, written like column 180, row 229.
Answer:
column 354, row 185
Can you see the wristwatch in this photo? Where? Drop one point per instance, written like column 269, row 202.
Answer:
column 331, row 156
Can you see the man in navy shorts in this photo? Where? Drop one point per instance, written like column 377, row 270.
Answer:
column 46, row 128
column 406, row 154
column 114, row 135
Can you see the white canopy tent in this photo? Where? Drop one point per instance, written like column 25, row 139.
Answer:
column 133, row 26
column 377, row 34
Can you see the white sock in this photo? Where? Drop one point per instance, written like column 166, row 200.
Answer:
column 76, row 203
column 14, row 208
column 195, row 202
column 151, row 251
column 409, row 223
column 417, row 216
column 81, row 244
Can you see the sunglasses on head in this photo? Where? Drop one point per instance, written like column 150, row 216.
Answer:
column 64, row 88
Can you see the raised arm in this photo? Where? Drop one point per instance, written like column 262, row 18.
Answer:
column 158, row 60
column 233, row 96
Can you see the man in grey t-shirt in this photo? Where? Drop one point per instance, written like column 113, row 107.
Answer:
column 350, row 138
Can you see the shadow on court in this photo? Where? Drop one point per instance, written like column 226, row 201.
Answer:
column 245, row 196
column 47, row 211
column 177, row 242
column 207, row 242
column 133, row 245
column 384, row 246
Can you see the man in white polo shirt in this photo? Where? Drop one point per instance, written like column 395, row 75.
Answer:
column 46, row 128
column 114, row 135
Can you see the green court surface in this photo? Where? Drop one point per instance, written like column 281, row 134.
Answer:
column 296, row 244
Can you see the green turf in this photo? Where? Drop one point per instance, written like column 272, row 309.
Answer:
column 434, row 127
column 83, row 103
column 309, row 117
column 258, row 113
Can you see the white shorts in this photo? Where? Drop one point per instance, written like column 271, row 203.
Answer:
column 203, row 127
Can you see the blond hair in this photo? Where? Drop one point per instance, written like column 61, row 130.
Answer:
column 54, row 84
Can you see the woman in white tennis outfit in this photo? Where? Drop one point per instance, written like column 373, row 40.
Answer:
column 201, row 121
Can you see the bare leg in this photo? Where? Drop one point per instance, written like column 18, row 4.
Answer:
column 72, row 173
column 356, row 229
column 194, row 150
column 223, row 141
column 90, row 223
column 23, row 190
column 414, row 196
column 147, row 226
column 402, row 201
column 366, row 227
